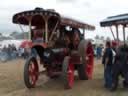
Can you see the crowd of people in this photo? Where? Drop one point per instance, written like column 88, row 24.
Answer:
column 115, row 65
column 11, row 52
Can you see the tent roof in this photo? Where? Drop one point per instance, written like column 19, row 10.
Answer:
column 115, row 20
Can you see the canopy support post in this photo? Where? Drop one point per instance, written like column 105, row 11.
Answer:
column 112, row 33
column 29, row 34
column 117, row 32
column 53, row 32
column 46, row 29
column 21, row 30
column 124, row 32
column 83, row 33
column 43, row 30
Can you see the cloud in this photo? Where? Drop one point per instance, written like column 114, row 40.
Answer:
column 90, row 11
column 87, row 4
column 66, row 1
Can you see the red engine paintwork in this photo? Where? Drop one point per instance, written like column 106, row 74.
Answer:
column 25, row 44
column 33, row 73
column 90, row 61
column 75, row 60
column 70, row 75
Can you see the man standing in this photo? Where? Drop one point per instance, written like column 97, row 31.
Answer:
column 120, row 67
column 99, row 52
column 107, row 61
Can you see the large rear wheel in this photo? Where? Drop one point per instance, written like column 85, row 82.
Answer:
column 31, row 72
column 68, row 73
column 81, row 68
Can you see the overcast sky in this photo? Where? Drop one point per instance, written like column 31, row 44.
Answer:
column 90, row 11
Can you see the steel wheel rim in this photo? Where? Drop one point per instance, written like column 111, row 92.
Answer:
column 70, row 75
column 33, row 73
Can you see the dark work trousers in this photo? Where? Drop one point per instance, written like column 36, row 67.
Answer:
column 119, row 69
column 108, row 76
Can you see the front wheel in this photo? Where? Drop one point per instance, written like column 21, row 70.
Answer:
column 68, row 73
column 31, row 72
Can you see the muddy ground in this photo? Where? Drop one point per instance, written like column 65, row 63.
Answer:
column 12, row 84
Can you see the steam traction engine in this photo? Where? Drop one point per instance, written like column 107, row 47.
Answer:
column 59, row 44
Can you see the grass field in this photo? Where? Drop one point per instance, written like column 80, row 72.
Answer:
column 12, row 84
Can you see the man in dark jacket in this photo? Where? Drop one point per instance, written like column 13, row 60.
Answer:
column 120, row 67
column 107, row 61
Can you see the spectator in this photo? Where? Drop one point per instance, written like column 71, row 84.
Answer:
column 9, row 51
column 14, row 51
column 4, row 49
column 20, row 52
column 99, row 52
column 120, row 67
column 107, row 61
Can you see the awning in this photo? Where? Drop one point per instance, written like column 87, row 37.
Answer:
column 115, row 20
